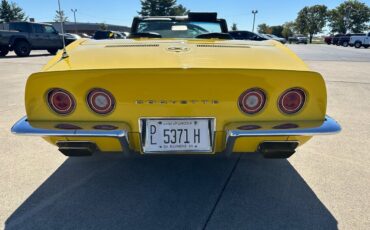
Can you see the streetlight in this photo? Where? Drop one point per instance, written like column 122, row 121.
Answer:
column 74, row 15
column 254, row 12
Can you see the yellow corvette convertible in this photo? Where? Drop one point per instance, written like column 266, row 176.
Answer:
column 179, row 85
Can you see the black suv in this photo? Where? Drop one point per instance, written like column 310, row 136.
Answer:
column 22, row 37
column 246, row 35
column 108, row 34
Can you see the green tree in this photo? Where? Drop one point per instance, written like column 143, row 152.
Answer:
column 277, row 30
column 103, row 26
column 11, row 12
column 311, row 20
column 264, row 29
column 351, row 15
column 234, row 27
column 161, row 8
column 60, row 16
column 288, row 29
column 179, row 10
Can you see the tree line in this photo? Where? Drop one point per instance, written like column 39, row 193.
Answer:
column 349, row 16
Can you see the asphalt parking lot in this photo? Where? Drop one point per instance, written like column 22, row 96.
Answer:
column 325, row 185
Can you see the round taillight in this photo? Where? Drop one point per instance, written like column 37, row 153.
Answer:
column 105, row 127
column 292, row 101
column 67, row 126
column 286, row 126
column 100, row 101
column 249, row 127
column 252, row 101
column 61, row 101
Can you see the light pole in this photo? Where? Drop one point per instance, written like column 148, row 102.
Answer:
column 254, row 12
column 74, row 15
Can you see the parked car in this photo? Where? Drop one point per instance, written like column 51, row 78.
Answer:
column 108, row 34
column 182, row 86
column 276, row 38
column 84, row 35
column 336, row 38
column 69, row 38
column 22, row 37
column 298, row 39
column 344, row 40
column 247, row 35
column 360, row 40
column 328, row 39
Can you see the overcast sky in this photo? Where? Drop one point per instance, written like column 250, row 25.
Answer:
column 272, row 12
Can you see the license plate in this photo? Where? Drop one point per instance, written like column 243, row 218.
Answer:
column 177, row 135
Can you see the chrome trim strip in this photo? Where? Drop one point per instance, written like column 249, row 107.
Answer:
column 329, row 126
column 23, row 127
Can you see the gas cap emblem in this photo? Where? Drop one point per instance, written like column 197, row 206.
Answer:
column 178, row 49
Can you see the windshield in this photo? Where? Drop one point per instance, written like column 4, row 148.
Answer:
column 178, row 29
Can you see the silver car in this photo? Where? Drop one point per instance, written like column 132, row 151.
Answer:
column 276, row 38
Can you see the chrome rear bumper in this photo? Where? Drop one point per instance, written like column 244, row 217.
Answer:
column 301, row 128
column 233, row 131
column 23, row 127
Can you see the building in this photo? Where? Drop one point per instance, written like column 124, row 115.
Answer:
column 88, row 28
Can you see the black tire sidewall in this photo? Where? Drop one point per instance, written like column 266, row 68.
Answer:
column 3, row 51
column 22, row 49
column 53, row 51
column 358, row 45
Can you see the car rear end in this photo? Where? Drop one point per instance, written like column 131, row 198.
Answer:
column 176, row 97
column 246, row 102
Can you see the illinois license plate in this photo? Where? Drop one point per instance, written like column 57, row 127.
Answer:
column 177, row 135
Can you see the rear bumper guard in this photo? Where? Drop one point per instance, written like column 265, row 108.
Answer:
column 233, row 131
column 23, row 127
column 300, row 128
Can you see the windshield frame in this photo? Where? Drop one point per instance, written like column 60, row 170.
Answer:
column 194, row 28
column 137, row 20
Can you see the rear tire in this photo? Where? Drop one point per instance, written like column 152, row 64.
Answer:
column 345, row 44
column 358, row 45
column 366, row 46
column 4, row 51
column 53, row 51
column 22, row 49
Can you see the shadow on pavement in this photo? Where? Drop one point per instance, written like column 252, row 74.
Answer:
column 269, row 194
column 31, row 55
column 162, row 192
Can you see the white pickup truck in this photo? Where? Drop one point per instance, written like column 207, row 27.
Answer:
column 358, row 41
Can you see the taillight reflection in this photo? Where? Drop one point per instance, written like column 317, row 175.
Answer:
column 100, row 101
column 292, row 101
column 252, row 101
column 61, row 101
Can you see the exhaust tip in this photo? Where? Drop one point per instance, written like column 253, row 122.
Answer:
column 77, row 148
column 278, row 149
